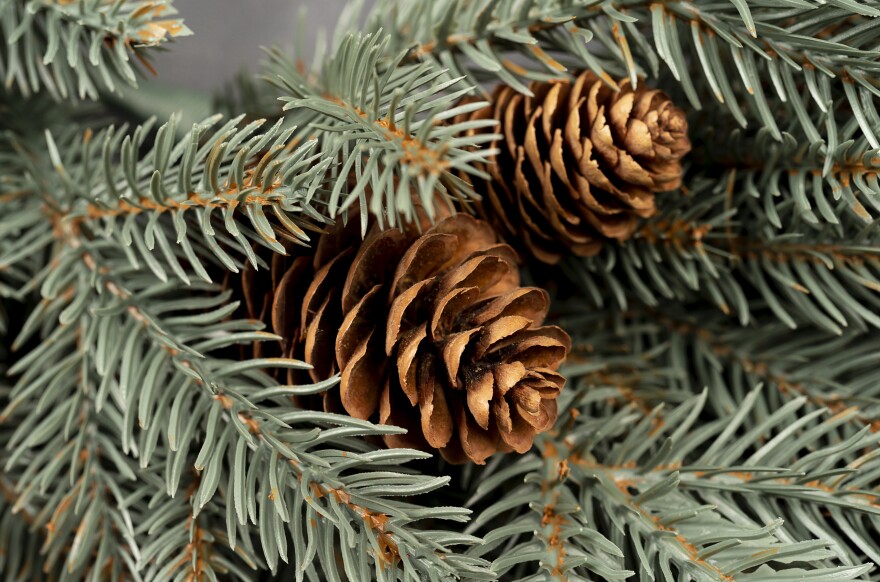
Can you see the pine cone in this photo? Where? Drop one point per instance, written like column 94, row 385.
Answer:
column 431, row 332
column 579, row 163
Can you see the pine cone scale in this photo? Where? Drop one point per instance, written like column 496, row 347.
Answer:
column 284, row 314
column 318, row 334
column 325, row 283
column 480, row 393
column 394, row 409
column 357, row 325
column 471, row 236
column 517, row 437
column 478, row 444
column 529, row 302
column 372, row 266
column 422, row 260
column 501, row 329
column 436, row 418
column 407, row 365
column 359, row 377
column 452, row 352
column 404, row 308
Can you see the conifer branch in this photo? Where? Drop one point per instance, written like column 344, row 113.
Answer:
column 20, row 540
column 796, row 181
column 300, row 475
column 166, row 203
column 803, row 378
column 548, row 527
column 805, row 365
column 182, row 542
column 707, row 243
column 78, row 484
column 736, row 47
column 629, row 474
column 76, row 49
column 819, row 382
column 384, row 127
column 20, row 558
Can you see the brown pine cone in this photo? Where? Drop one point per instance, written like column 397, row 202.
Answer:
column 579, row 162
column 430, row 332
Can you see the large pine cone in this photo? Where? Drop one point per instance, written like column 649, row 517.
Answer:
column 579, row 162
column 431, row 332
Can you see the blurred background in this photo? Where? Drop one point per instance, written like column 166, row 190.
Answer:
column 228, row 35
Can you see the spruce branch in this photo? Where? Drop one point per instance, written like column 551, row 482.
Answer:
column 721, row 242
column 168, row 203
column 180, row 542
column 24, row 233
column 630, row 478
column 797, row 181
column 808, row 364
column 384, row 128
column 75, row 49
column 686, row 352
column 20, row 559
column 823, row 385
column 287, row 468
column 562, row 542
column 813, row 59
column 78, row 485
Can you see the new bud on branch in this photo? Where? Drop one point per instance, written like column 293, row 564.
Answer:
column 579, row 162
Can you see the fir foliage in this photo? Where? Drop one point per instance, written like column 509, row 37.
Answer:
column 722, row 412
column 75, row 48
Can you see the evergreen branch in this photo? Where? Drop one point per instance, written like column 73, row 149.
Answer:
column 77, row 482
column 384, row 129
column 653, row 489
column 805, row 374
column 485, row 31
column 833, row 373
column 555, row 532
column 622, row 387
column 288, row 484
column 797, row 182
column 181, row 542
column 25, row 241
column 798, row 47
column 287, row 468
column 24, row 232
column 824, row 380
column 20, row 542
column 716, row 241
column 608, row 373
column 260, row 181
column 788, row 48
column 20, row 554
column 73, row 49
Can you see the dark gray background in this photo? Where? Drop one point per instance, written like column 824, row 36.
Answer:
column 228, row 35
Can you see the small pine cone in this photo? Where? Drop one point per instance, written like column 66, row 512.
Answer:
column 431, row 332
column 579, row 162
